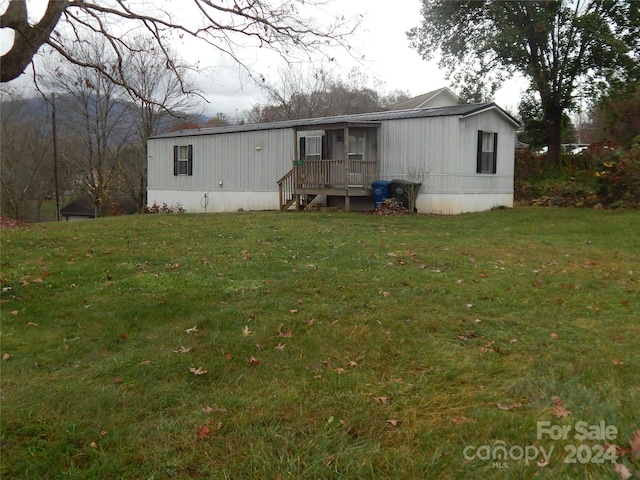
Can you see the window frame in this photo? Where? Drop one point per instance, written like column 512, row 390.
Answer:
column 180, row 162
column 487, row 152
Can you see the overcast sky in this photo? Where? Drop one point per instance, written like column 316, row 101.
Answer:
column 389, row 63
column 388, row 59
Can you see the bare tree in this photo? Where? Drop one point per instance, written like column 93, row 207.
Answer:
column 300, row 93
column 25, row 150
column 285, row 27
column 160, row 102
column 97, row 122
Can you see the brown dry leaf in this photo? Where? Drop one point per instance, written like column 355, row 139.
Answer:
column 542, row 463
column 284, row 333
column 353, row 364
column 191, row 330
column 394, row 423
column 93, row 445
column 635, row 445
column 245, row 331
column 280, row 346
column 204, row 432
column 293, row 310
column 117, row 381
column 253, row 361
column 623, row 472
column 147, row 362
column 384, row 293
column 512, row 341
column 382, row 400
column 557, row 401
column 340, row 370
column 31, row 324
column 6, row 357
column 460, row 419
column 618, row 362
column 554, row 336
column 560, row 412
column 197, row 371
column 182, row 350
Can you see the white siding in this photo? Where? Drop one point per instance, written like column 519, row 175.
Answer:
column 247, row 163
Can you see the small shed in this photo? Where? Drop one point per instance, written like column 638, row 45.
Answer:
column 83, row 208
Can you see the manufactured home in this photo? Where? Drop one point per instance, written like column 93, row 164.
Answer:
column 462, row 155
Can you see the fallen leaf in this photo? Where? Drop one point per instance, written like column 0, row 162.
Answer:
column 191, row 330
column 182, row 350
column 635, row 445
column 93, row 445
column 554, row 336
column 31, row 324
column 542, row 463
column 280, row 346
column 395, row 423
column 618, row 362
column 6, row 357
column 623, row 472
column 284, row 333
column 560, row 412
column 214, row 408
column 147, row 362
column 460, row 419
column 384, row 294
column 117, row 381
column 204, row 432
column 123, row 336
column 197, row 371
column 253, row 361
column 340, row 370
column 557, row 400
column 512, row 341
column 508, row 407
column 245, row 331
column 353, row 364
column 294, row 310
column 382, row 400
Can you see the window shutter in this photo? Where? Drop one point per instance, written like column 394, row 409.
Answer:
column 175, row 160
column 324, row 148
column 495, row 153
column 190, row 161
column 303, row 145
column 479, row 153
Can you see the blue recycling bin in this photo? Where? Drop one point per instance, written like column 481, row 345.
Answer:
column 381, row 190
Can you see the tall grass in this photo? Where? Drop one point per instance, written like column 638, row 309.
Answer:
column 334, row 345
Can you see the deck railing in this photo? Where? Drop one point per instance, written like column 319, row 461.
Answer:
column 335, row 174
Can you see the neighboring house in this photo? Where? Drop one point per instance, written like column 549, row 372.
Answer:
column 83, row 208
column 443, row 97
column 462, row 154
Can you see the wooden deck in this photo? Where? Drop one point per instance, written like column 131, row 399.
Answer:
column 352, row 178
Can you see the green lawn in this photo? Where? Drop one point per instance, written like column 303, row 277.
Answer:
column 322, row 345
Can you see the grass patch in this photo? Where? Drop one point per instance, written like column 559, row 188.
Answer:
column 335, row 345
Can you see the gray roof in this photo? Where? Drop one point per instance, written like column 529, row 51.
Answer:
column 417, row 102
column 373, row 118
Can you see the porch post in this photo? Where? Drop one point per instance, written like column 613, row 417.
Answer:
column 347, row 168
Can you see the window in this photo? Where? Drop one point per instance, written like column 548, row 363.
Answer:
column 312, row 148
column 356, row 145
column 487, row 152
column 183, row 160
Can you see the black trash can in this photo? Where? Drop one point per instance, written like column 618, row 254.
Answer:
column 381, row 190
column 402, row 190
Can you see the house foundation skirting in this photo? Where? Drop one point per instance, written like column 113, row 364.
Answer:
column 216, row 201
column 455, row 203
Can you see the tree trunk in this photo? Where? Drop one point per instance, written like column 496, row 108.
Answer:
column 554, row 121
